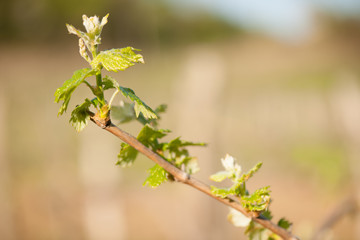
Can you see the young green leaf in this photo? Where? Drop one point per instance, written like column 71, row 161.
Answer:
column 221, row 192
column 147, row 136
column 140, row 106
column 109, row 82
column 284, row 223
column 117, row 59
column 157, row 176
column 258, row 201
column 64, row 93
column 266, row 214
column 123, row 113
column 80, row 116
column 220, row 176
column 127, row 155
column 250, row 173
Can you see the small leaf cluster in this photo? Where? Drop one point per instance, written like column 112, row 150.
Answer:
column 255, row 231
column 112, row 60
column 116, row 60
column 258, row 202
column 174, row 151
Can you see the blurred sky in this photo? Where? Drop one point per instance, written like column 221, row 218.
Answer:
column 287, row 20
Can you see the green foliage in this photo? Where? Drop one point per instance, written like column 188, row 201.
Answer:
column 109, row 82
column 157, row 176
column 80, row 115
column 233, row 171
column 117, row 59
column 174, row 151
column 222, row 192
column 127, row 155
column 140, row 106
column 111, row 60
column 64, row 93
column 255, row 231
column 257, row 201
column 251, row 172
column 284, row 223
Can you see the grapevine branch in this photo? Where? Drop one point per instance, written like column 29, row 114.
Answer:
column 185, row 178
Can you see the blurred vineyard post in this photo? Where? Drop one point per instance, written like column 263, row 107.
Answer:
column 203, row 80
column 102, row 213
column 6, row 217
column 346, row 102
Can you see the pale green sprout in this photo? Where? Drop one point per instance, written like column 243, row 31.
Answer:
column 93, row 25
column 231, row 166
column 93, row 28
column 232, row 170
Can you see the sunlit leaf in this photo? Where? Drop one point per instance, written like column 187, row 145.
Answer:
column 64, row 93
column 109, row 82
column 127, row 155
column 147, row 136
column 257, row 201
column 221, row 192
column 140, row 106
column 157, row 176
column 80, row 116
column 220, row 176
column 251, row 172
column 117, row 59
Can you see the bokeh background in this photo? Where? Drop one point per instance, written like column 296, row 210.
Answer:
column 271, row 81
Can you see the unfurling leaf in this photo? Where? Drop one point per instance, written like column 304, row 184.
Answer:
column 220, row 176
column 258, row 201
column 127, row 155
column 109, row 82
column 64, row 93
column 117, row 59
column 80, row 116
column 221, row 192
column 251, row 172
column 149, row 136
column 139, row 106
column 157, row 176
column 238, row 219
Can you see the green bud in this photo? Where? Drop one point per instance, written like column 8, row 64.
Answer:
column 82, row 50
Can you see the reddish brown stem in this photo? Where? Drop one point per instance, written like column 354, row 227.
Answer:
column 183, row 177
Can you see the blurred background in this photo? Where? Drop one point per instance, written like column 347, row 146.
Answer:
column 272, row 81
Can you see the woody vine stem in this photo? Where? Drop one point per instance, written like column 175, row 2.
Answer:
column 173, row 161
column 193, row 182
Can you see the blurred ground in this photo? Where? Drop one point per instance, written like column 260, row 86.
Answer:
column 294, row 107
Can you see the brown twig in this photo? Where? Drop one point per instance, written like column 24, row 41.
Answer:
column 183, row 177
